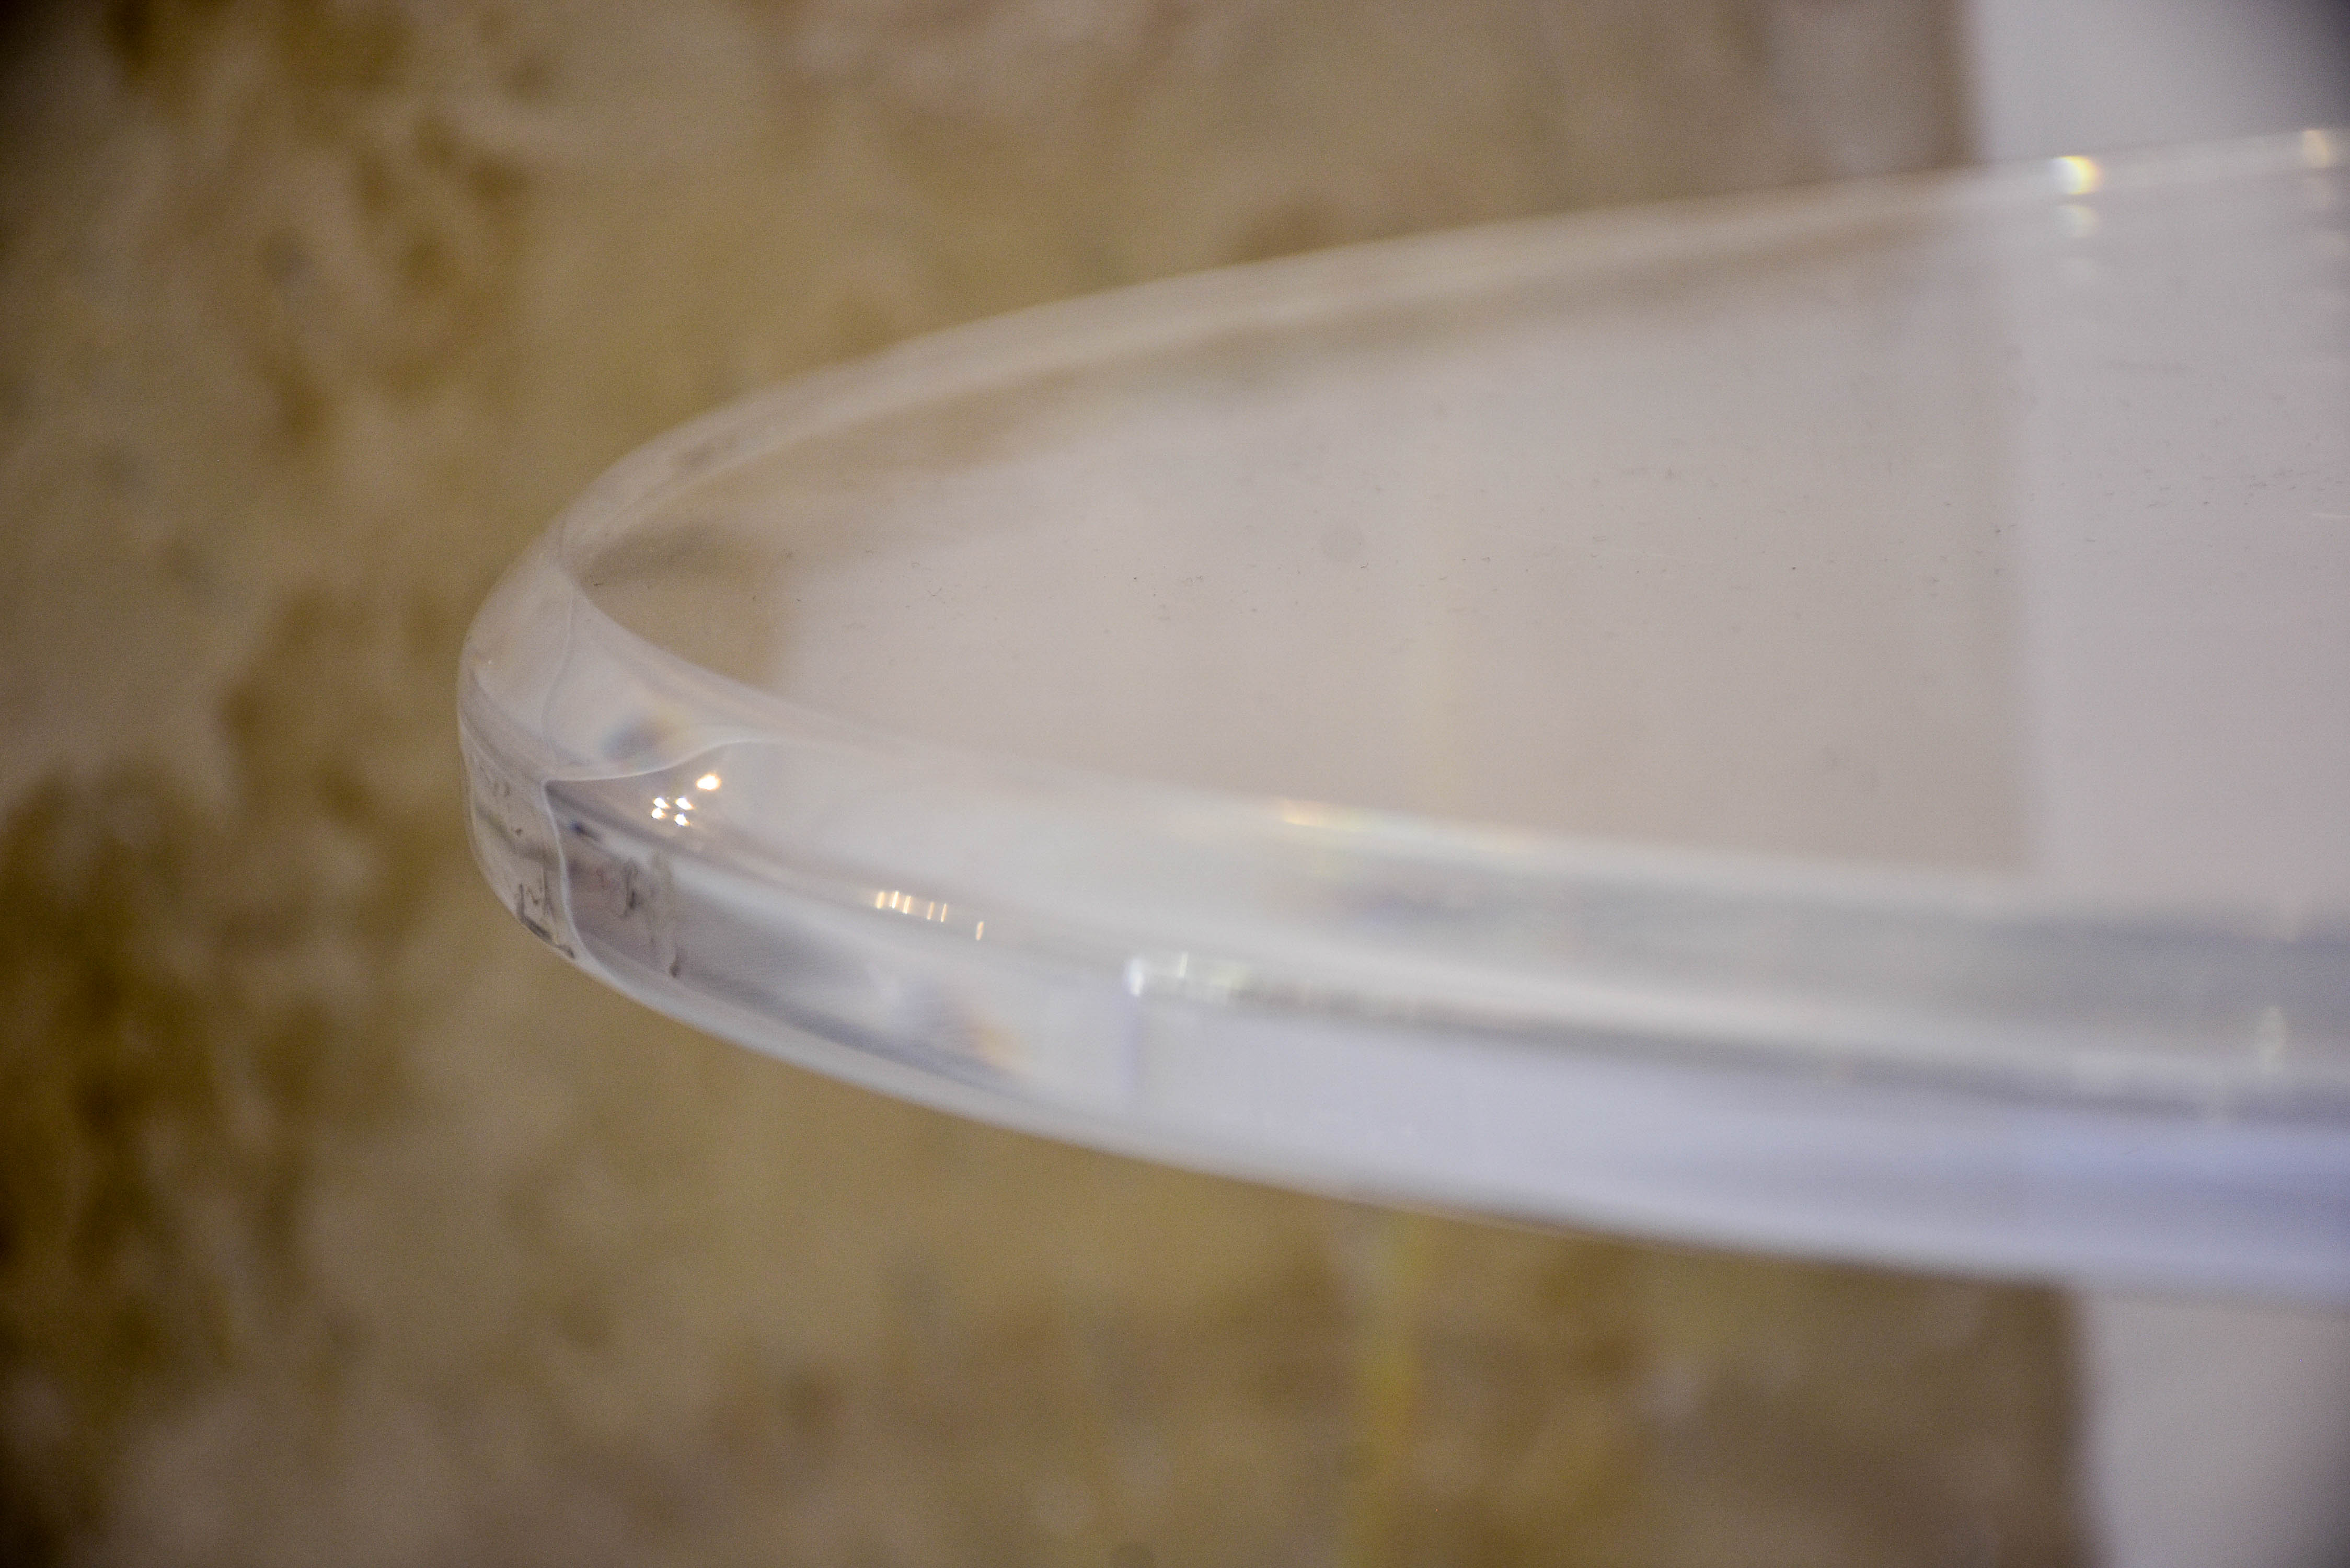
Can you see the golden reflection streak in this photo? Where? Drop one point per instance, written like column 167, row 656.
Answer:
column 931, row 910
column 2077, row 176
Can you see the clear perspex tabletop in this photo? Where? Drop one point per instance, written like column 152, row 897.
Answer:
column 1816, row 723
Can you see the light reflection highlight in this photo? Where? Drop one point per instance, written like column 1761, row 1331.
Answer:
column 931, row 910
column 1315, row 814
column 907, row 904
column 2320, row 149
column 2077, row 176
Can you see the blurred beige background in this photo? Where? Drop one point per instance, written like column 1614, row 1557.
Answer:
column 341, row 1223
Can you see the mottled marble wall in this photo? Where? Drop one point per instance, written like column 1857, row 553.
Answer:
column 340, row 1223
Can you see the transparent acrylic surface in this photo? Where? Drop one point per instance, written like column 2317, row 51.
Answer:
column 1818, row 722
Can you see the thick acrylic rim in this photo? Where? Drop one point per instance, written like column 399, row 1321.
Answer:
column 541, row 642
